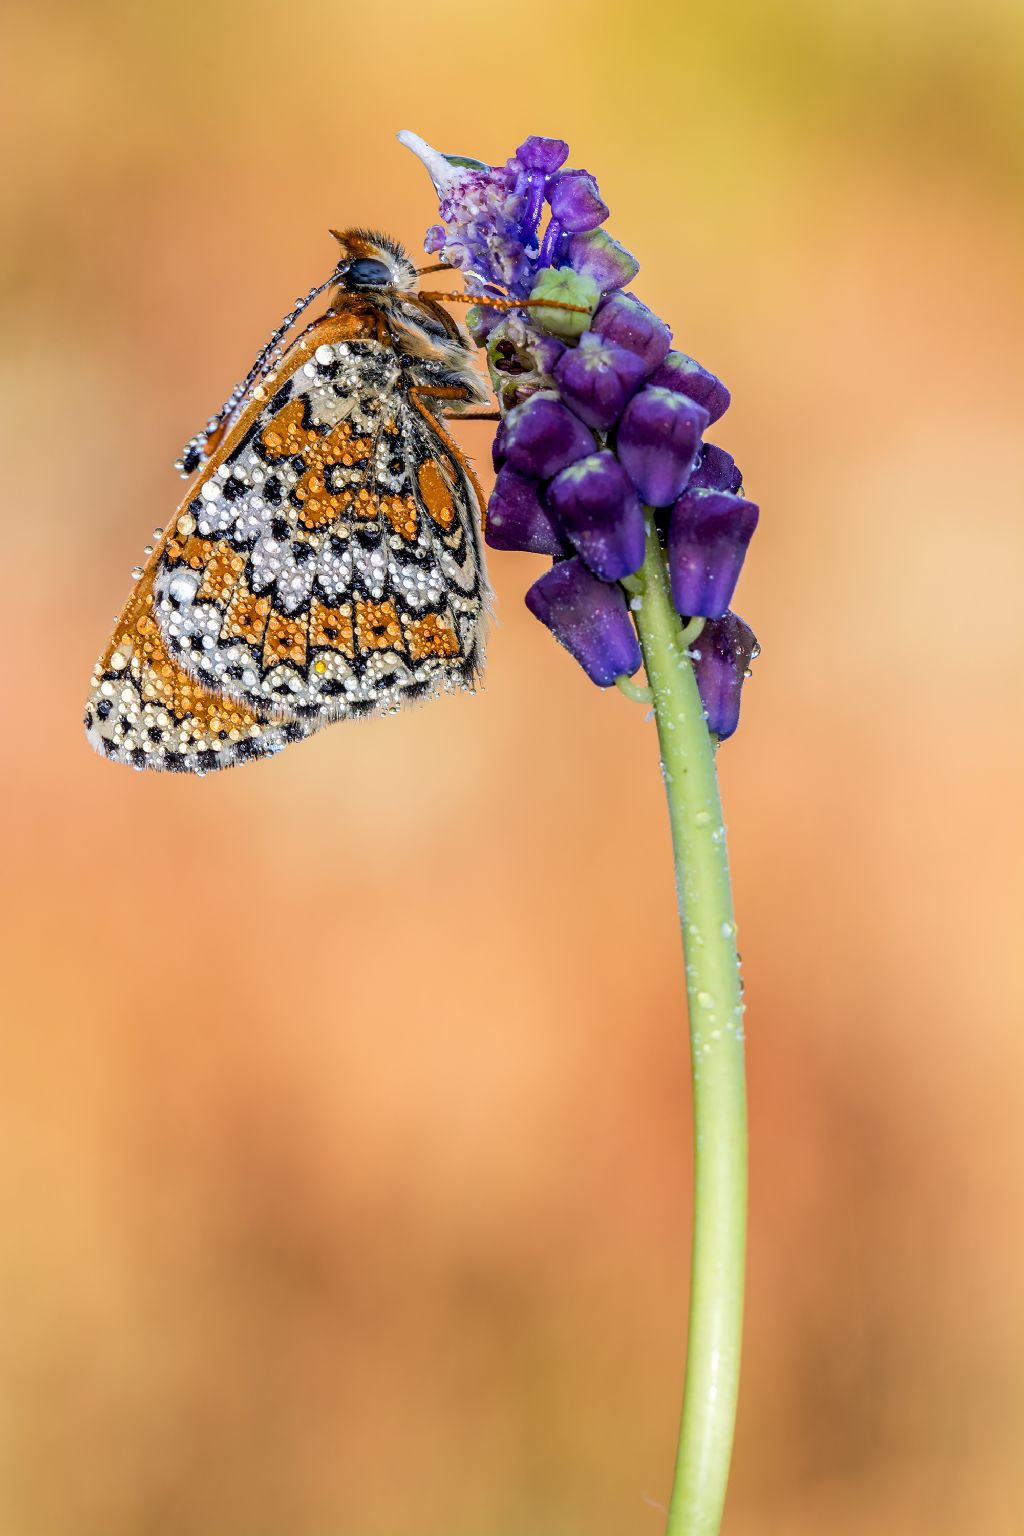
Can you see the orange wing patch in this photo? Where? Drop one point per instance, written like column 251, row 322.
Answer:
column 437, row 498
column 431, row 635
column 377, row 627
column 401, row 513
column 188, row 549
column 286, row 438
column 331, row 628
column 220, row 577
column 247, row 616
column 285, row 641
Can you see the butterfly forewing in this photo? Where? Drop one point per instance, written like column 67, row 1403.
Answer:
column 325, row 564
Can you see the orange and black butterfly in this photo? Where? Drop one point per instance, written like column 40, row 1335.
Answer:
column 326, row 561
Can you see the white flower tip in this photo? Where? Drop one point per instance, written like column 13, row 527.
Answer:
column 441, row 173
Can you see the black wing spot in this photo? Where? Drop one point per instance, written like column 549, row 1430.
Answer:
column 240, row 448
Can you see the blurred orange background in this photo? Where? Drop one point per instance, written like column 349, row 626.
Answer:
column 375, row 1219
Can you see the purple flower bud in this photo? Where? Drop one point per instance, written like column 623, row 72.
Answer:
column 681, row 373
column 542, row 154
column 657, row 443
column 598, row 378
column 545, row 351
column 631, row 324
column 716, row 471
column 540, row 437
column 598, row 256
column 600, row 511
column 708, row 534
column 589, row 618
column 575, row 201
column 721, row 658
column 518, row 519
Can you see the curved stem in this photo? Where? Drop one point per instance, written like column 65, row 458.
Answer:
column 716, row 1051
column 634, row 691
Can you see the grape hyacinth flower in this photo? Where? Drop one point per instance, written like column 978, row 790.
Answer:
column 602, row 465
column 708, row 534
column 596, row 504
column 721, row 660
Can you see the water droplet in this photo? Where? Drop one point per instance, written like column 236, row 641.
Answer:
column 727, row 930
column 705, row 1000
column 702, row 818
column 136, row 572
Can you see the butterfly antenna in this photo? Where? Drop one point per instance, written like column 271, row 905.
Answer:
column 489, row 303
column 199, row 448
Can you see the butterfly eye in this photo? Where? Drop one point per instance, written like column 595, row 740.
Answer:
column 367, row 273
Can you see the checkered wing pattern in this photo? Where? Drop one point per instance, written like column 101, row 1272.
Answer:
column 326, row 564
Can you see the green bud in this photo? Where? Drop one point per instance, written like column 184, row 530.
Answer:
column 567, row 287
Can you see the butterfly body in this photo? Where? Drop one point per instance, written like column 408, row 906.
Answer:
column 325, row 563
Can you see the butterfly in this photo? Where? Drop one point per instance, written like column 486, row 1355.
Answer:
column 326, row 561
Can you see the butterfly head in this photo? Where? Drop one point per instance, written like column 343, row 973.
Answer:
column 372, row 263
column 374, row 269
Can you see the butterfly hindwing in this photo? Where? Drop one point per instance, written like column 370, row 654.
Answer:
column 146, row 710
column 325, row 564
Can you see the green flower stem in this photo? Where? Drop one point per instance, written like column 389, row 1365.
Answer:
column 716, row 1052
column 634, row 691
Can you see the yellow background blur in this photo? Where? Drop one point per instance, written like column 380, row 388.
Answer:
column 345, row 1154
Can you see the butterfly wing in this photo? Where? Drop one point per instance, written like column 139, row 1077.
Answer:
column 325, row 564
